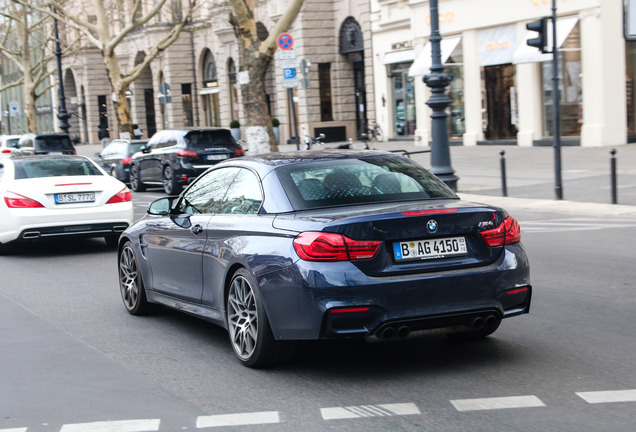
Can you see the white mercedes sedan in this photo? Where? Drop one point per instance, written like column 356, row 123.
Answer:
column 46, row 197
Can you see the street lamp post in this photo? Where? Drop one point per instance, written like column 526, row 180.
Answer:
column 63, row 115
column 437, row 80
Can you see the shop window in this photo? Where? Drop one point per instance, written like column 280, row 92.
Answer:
column 103, row 111
column 324, row 84
column 186, row 104
column 570, row 88
column 630, row 78
column 455, row 68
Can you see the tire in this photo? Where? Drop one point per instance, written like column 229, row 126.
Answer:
column 135, row 182
column 131, row 284
column 170, row 184
column 248, row 327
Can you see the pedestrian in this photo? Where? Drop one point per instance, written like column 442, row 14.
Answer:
column 103, row 136
column 137, row 132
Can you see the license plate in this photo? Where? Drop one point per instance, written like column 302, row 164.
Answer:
column 429, row 249
column 216, row 157
column 72, row 198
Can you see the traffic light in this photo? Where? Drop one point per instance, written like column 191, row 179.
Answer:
column 541, row 41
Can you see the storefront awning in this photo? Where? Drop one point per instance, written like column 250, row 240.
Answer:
column 528, row 54
column 399, row 57
column 497, row 45
column 423, row 62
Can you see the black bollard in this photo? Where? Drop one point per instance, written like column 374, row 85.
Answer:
column 504, row 187
column 613, row 176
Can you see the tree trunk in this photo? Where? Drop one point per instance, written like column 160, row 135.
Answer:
column 259, row 131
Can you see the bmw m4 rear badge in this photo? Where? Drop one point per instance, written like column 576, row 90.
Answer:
column 431, row 226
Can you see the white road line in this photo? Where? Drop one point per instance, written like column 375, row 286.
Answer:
column 608, row 396
column 338, row 413
column 497, row 403
column 14, row 430
column 241, row 419
column 114, row 426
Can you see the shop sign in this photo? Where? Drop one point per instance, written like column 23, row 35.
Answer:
column 497, row 45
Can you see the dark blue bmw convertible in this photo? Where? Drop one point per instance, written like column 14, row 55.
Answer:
column 329, row 244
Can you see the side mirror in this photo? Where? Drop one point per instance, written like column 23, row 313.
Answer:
column 99, row 155
column 146, row 149
column 161, row 207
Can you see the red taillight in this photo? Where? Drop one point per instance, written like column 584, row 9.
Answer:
column 126, row 161
column 6, row 150
column 429, row 212
column 187, row 153
column 123, row 195
column 239, row 151
column 348, row 310
column 508, row 232
column 320, row 246
column 14, row 200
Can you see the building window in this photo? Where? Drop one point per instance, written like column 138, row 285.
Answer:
column 186, row 103
column 102, row 109
column 324, row 84
column 454, row 66
column 210, row 92
column 231, row 74
column 570, row 88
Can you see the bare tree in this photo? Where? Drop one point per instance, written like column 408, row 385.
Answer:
column 112, row 24
column 26, row 43
column 255, row 57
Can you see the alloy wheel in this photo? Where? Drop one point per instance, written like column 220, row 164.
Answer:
column 242, row 318
column 128, row 278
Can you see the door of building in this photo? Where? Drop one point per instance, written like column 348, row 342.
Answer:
column 149, row 99
column 403, row 85
column 361, row 98
column 499, row 82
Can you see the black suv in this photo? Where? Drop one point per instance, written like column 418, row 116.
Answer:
column 175, row 157
column 44, row 143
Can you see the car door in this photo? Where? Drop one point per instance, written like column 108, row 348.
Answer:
column 151, row 159
column 228, row 232
column 175, row 244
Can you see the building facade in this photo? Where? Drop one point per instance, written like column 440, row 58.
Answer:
column 502, row 88
column 196, row 81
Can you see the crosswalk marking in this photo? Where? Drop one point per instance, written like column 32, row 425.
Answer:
column 608, row 396
column 14, row 430
column 337, row 413
column 114, row 426
column 497, row 403
column 241, row 419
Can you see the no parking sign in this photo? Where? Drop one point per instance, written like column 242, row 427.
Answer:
column 285, row 41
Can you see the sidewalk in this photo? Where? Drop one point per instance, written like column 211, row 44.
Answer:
column 530, row 174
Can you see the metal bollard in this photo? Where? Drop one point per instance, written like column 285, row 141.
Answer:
column 504, row 186
column 613, row 176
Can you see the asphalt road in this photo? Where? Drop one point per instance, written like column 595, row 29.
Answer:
column 72, row 359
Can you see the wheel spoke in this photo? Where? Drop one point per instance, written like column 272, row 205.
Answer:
column 242, row 318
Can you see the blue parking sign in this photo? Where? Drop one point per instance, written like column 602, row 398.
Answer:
column 289, row 73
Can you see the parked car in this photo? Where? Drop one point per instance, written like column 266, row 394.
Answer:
column 44, row 143
column 320, row 245
column 8, row 143
column 45, row 197
column 174, row 157
column 116, row 157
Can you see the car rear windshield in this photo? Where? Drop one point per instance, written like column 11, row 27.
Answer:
column 52, row 143
column 208, row 139
column 54, row 167
column 354, row 181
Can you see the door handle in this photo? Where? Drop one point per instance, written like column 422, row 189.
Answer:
column 196, row 229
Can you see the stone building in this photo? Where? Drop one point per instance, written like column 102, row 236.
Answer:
column 195, row 82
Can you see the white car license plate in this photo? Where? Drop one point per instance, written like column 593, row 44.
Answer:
column 71, row 198
column 429, row 249
column 216, row 157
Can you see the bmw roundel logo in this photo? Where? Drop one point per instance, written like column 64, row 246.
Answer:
column 431, row 225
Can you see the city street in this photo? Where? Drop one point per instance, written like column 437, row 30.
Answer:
column 74, row 360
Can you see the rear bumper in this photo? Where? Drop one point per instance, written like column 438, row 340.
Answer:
column 79, row 230
column 303, row 300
